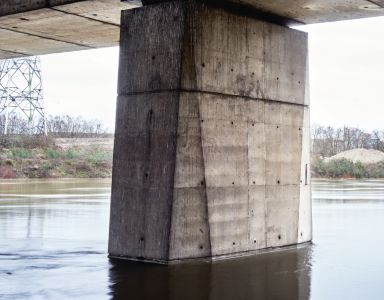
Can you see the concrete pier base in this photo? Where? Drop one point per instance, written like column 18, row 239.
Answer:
column 212, row 135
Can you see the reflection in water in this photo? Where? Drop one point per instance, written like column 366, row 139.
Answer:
column 53, row 244
column 279, row 275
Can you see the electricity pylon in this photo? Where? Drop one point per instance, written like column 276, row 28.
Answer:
column 21, row 95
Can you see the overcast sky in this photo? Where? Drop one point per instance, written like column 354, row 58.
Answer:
column 82, row 83
column 346, row 77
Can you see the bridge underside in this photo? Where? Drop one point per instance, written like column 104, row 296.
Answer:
column 45, row 29
column 34, row 27
column 212, row 147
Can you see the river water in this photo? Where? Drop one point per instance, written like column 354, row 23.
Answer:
column 53, row 243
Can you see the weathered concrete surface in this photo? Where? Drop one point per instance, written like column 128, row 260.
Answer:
column 43, row 27
column 317, row 11
column 290, row 12
column 211, row 147
column 34, row 27
column 8, row 7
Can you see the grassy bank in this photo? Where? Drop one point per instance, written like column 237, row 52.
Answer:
column 43, row 157
column 46, row 157
column 344, row 168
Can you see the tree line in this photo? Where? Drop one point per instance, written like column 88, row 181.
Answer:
column 64, row 126
column 328, row 141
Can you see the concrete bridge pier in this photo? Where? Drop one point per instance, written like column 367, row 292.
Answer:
column 212, row 135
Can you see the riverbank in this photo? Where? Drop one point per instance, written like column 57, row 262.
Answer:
column 345, row 168
column 42, row 157
column 356, row 163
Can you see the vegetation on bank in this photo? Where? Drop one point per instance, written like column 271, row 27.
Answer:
column 328, row 141
column 73, row 149
column 344, row 168
column 23, row 156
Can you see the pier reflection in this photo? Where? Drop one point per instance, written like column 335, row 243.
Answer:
column 278, row 275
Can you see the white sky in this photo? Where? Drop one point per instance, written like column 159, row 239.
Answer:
column 82, row 83
column 346, row 73
column 346, row 77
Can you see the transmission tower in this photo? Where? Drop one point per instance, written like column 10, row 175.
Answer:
column 21, row 96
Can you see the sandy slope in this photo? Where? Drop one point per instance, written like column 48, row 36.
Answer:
column 365, row 156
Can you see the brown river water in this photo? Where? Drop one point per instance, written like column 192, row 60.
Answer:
column 53, row 244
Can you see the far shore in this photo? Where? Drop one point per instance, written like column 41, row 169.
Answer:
column 56, row 158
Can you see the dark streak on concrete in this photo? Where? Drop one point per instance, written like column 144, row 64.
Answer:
column 47, row 38
column 15, row 52
column 221, row 94
column 8, row 7
column 242, row 10
column 84, row 17
column 377, row 2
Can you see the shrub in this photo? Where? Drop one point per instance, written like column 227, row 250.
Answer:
column 22, row 153
column 72, row 153
column 52, row 153
column 375, row 170
column 26, row 141
column 340, row 168
column 319, row 167
column 359, row 170
column 98, row 156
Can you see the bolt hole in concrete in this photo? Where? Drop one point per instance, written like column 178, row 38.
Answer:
column 203, row 65
column 279, row 237
column 278, row 182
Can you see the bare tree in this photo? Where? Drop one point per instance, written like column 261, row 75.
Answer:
column 328, row 141
column 58, row 126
